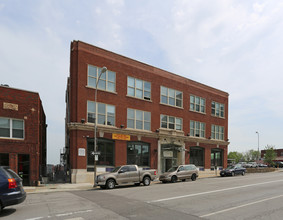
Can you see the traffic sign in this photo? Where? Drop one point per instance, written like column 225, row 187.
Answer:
column 95, row 153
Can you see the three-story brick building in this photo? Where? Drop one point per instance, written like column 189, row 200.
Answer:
column 145, row 116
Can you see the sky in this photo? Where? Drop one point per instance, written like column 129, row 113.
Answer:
column 232, row 45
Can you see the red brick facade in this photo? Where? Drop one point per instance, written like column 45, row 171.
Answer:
column 27, row 155
column 78, row 92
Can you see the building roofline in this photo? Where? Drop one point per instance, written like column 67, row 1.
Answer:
column 8, row 87
column 95, row 50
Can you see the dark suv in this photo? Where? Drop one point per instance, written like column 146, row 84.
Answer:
column 11, row 188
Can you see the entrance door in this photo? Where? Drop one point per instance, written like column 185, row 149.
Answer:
column 23, row 168
column 168, row 164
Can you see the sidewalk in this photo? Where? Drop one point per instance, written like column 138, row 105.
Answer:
column 84, row 186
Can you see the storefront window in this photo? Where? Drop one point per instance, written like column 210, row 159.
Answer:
column 197, row 156
column 106, row 149
column 138, row 153
column 216, row 157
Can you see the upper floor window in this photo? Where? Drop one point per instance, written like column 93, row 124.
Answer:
column 105, row 113
column 171, row 122
column 217, row 132
column 137, row 119
column 106, row 82
column 171, row 97
column 197, row 104
column 11, row 128
column 197, row 129
column 139, row 88
column 217, row 109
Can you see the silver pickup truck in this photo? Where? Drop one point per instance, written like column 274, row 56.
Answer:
column 125, row 175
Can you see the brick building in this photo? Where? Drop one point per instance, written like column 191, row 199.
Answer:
column 279, row 154
column 145, row 116
column 22, row 133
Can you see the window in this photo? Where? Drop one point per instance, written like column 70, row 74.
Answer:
column 197, row 156
column 137, row 119
column 139, row 88
column 197, row 104
column 197, row 129
column 217, row 132
column 171, row 97
column 171, row 122
column 106, row 82
column 217, row 109
column 105, row 113
column 138, row 153
column 106, row 149
column 11, row 128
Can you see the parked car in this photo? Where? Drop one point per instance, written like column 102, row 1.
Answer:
column 243, row 164
column 233, row 170
column 182, row 172
column 262, row 165
column 11, row 188
column 125, row 175
column 252, row 164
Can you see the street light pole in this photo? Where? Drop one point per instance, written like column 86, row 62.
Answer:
column 103, row 70
column 257, row 144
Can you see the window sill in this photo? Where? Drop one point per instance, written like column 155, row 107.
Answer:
column 203, row 113
column 89, row 87
column 171, row 106
column 132, row 129
column 138, row 98
column 217, row 116
column 12, row 139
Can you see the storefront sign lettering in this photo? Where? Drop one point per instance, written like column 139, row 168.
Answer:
column 10, row 106
column 123, row 137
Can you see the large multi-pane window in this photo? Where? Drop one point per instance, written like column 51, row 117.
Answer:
column 11, row 128
column 197, row 129
column 217, row 109
column 217, row 132
column 197, row 104
column 106, row 149
column 105, row 113
column 171, row 122
column 171, row 97
column 106, row 82
column 138, row 153
column 138, row 119
column 139, row 88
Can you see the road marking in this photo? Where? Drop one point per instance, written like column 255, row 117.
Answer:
column 241, row 206
column 62, row 214
column 214, row 191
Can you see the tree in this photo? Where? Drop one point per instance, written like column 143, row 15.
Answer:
column 236, row 156
column 251, row 155
column 270, row 155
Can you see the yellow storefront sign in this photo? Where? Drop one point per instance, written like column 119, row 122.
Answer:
column 123, row 137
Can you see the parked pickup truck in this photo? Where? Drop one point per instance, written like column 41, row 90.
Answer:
column 125, row 175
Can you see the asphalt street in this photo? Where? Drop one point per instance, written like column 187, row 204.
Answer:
column 253, row 196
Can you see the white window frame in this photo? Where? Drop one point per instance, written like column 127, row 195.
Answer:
column 195, row 104
column 194, row 130
column 218, row 112
column 97, row 114
column 217, row 132
column 168, row 123
column 168, row 96
column 106, row 80
column 136, row 120
column 143, row 90
column 11, row 128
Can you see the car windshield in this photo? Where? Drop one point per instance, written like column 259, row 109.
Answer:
column 172, row 169
column 115, row 169
column 230, row 167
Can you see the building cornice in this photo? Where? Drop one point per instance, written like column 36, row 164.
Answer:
column 159, row 134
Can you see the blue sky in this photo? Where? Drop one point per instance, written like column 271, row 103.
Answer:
column 235, row 46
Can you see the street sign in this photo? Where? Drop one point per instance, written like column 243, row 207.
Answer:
column 95, row 153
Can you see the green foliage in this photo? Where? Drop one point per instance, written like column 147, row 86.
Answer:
column 236, row 156
column 270, row 155
column 251, row 155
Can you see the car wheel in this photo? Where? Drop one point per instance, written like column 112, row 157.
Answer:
column 146, row 181
column 233, row 173
column 194, row 177
column 173, row 179
column 243, row 173
column 110, row 184
column 222, row 175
